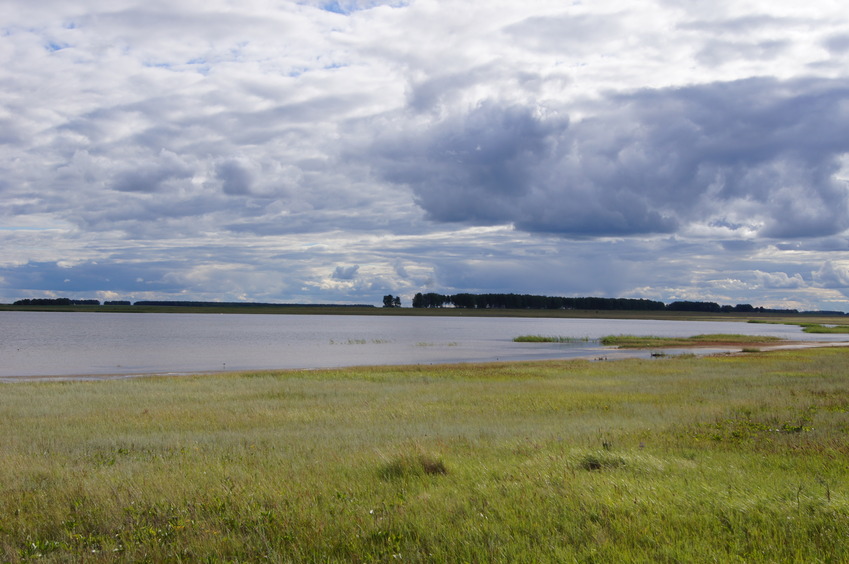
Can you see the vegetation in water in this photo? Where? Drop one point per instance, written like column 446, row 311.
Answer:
column 825, row 329
column 718, row 340
column 811, row 327
column 687, row 459
column 549, row 339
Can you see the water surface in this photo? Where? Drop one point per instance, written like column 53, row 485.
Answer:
column 72, row 344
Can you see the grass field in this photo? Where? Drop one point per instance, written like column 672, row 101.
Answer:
column 681, row 459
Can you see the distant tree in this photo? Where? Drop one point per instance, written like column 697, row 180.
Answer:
column 389, row 300
column 710, row 307
column 396, row 302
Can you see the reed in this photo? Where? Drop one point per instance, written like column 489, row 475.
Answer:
column 550, row 339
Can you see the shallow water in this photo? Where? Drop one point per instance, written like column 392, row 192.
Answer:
column 72, row 344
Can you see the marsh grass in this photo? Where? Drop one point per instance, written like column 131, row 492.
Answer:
column 811, row 327
column 550, row 339
column 824, row 329
column 687, row 459
column 360, row 342
column 641, row 342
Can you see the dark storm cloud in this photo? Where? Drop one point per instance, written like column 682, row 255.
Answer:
column 761, row 153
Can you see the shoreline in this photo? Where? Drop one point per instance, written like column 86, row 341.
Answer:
column 599, row 356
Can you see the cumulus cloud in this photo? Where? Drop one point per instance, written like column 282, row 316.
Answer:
column 758, row 152
column 779, row 280
column 833, row 274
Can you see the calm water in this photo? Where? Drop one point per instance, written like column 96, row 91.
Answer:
column 70, row 344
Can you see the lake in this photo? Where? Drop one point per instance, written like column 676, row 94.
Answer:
column 66, row 345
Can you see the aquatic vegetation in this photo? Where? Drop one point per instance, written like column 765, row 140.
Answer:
column 550, row 339
column 641, row 342
column 361, row 342
column 825, row 329
column 811, row 327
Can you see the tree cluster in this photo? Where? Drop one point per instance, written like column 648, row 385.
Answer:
column 55, row 301
column 181, row 303
column 526, row 301
column 391, row 301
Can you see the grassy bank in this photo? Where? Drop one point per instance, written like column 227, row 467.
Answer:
column 716, row 459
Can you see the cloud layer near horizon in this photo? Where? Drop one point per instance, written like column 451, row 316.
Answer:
column 338, row 151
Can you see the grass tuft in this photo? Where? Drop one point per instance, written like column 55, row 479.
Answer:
column 600, row 461
column 412, row 465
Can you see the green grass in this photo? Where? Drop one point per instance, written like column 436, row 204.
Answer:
column 811, row 326
column 685, row 459
column 640, row 342
column 818, row 328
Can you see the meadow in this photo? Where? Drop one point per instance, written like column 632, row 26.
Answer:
column 732, row 458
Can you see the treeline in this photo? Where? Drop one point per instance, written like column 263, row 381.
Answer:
column 56, row 301
column 165, row 303
column 527, row 301
column 463, row 300
column 168, row 303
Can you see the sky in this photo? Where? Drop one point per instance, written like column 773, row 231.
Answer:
column 314, row 151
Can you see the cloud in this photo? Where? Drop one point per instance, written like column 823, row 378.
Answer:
column 663, row 149
column 838, row 43
column 760, row 153
column 779, row 280
column 346, row 272
column 235, row 177
column 86, row 277
column 152, row 176
column 833, row 274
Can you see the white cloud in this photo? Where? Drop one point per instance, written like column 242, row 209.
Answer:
column 834, row 274
column 779, row 280
column 200, row 145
